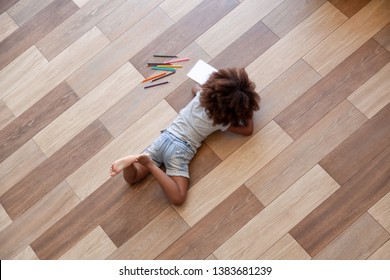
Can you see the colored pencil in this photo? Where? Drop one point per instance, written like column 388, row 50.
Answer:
column 163, row 76
column 153, row 77
column 164, row 55
column 170, row 66
column 157, row 63
column 163, row 69
column 163, row 83
column 177, row 60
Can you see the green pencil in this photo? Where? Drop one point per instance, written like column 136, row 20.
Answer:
column 163, row 69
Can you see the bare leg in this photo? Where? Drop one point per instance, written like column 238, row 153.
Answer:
column 132, row 171
column 175, row 187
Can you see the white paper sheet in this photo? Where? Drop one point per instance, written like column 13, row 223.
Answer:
column 201, row 72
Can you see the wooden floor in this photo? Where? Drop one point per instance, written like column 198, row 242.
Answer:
column 312, row 182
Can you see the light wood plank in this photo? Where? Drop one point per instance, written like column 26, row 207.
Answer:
column 178, row 9
column 383, row 253
column 287, row 248
column 5, row 220
column 88, row 109
column 95, row 246
column 291, row 48
column 374, row 94
column 214, row 40
column 233, row 172
column 153, row 238
column 26, row 254
column 17, row 236
column 80, row 3
column 6, row 115
column 357, row 242
column 24, row 10
column 75, row 26
column 115, row 55
column 20, row 69
column 19, row 164
column 381, row 212
column 7, row 26
column 96, row 171
column 274, row 99
column 288, row 209
column 349, row 37
column 305, row 152
column 119, row 21
column 289, row 14
column 46, row 78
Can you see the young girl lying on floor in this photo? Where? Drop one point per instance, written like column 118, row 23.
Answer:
column 225, row 102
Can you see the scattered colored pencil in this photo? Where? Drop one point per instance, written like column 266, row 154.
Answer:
column 163, row 66
column 163, row 83
column 163, row 69
column 177, row 60
column 170, row 66
column 153, row 77
column 163, row 76
column 157, row 63
column 164, row 55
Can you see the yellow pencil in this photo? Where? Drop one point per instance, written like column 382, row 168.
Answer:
column 170, row 66
column 154, row 77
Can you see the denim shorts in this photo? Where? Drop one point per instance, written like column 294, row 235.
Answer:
column 173, row 152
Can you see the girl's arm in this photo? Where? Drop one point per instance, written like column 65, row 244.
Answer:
column 246, row 130
column 195, row 89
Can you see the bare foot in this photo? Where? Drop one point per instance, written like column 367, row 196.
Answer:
column 120, row 164
column 145, row 160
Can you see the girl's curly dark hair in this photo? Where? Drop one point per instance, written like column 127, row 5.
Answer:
column 229, row 97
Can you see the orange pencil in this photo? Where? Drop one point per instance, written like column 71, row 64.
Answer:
column 154, row 77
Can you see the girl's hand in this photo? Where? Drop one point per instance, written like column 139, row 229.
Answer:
column 195, row 89
column 245, row 130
